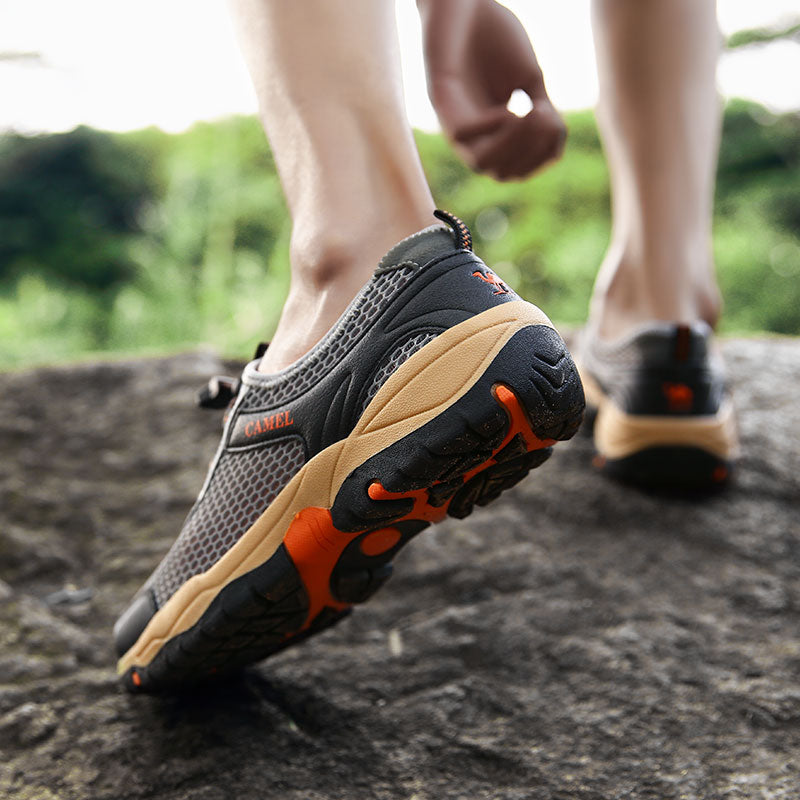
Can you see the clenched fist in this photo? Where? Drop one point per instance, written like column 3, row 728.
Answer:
column 476, row 54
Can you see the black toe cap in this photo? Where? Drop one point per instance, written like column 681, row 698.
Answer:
column 133, row 621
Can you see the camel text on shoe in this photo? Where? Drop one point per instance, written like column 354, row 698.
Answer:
column 281, row 419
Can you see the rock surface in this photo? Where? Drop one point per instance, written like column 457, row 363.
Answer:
column 577, row 640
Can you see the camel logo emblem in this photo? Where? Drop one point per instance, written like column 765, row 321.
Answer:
column 492, row 279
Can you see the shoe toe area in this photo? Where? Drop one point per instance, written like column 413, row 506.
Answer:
column 133, row 621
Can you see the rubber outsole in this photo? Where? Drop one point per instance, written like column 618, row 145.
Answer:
column 332, row 558
column 669, row 468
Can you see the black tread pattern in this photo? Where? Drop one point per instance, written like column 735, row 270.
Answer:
column 357, row 576
column 670, row 468
column 262, row 611
column 490, row 483
column 245, row 622
column 535, row 365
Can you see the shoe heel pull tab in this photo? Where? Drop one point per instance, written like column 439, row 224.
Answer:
column 463, row 236
column 683, row 342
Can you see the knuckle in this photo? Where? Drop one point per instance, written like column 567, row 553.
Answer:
column 484, row 162
column 461, row 134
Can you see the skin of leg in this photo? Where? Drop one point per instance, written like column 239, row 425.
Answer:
column 659, row 115
column 329, row 85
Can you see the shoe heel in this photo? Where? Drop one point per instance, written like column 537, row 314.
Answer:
column 666, row 451
column 527, row 397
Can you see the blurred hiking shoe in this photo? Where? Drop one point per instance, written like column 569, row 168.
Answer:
column 437, row 389
column 664, row 415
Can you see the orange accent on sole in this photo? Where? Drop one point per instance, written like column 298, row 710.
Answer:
column 519, row 424
column 136, row 678
column 421, row 510
column 519, row 420
column 377, row 542
column 315, row 544
column 719, row 474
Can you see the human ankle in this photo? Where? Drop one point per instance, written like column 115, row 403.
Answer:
column 307, row 315
column 346, row 252
column 629, row 294
column 328, row 270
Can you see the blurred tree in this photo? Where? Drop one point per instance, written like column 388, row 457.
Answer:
column 68, row 204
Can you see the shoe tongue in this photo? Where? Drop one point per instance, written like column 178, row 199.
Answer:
column 420, row 247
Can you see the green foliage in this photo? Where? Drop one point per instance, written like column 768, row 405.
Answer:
column 149, row 241
column 763, row 36
column 67, row 206
column 757, row 231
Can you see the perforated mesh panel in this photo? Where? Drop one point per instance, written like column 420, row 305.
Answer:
column 371, row 302
column 245, row 482
column 616, row 364
column 398, row 356
column 625, row 354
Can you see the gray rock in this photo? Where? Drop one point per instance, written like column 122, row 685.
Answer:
column 578, row 640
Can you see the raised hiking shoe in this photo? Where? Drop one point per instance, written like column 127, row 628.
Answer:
column 437, row 389
column 664, row 416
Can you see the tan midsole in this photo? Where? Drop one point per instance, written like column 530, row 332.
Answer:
column 429, row 382
column 618, row 434
column 592, row 392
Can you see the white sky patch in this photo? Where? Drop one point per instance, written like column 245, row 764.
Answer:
column 121, row 65
column 768, row 74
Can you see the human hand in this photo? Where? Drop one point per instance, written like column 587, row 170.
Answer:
column 476, row 54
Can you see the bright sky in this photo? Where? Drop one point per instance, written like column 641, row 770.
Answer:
column 122, row 65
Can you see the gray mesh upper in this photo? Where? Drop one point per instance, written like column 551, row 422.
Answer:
column 300, row 377
column 398, row 356
column 650, row 345
column 245, row 483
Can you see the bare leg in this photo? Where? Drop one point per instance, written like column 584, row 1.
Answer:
column 328, row 80
column 659, row 116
